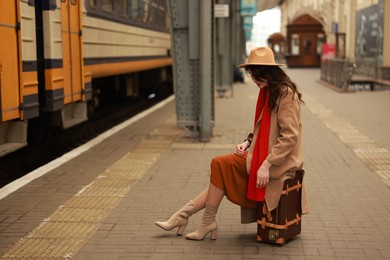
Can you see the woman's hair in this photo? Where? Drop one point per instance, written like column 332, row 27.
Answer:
column 278, row 82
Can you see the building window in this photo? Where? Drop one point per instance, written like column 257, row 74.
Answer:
column 340, row 43
column 320, row 41
column 295, row 44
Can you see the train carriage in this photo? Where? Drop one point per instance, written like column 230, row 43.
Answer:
column 58, row 58
column 18, row 73
column 126, row 38
column 63, row 91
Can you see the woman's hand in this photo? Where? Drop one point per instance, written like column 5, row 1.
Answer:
column 263, row 175
column 241, row 148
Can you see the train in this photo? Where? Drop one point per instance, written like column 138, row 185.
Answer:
column 59, row 58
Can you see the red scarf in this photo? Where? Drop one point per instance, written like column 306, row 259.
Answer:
column 260, row 151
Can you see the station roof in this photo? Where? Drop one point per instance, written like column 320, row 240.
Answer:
column 267, row 4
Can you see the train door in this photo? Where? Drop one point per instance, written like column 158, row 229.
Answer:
column 75, row 107
column 309, row 56
column 13, row 131
column 10, row 60
column 71, row 49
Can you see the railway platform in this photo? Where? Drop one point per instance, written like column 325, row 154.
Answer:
column 101, row 201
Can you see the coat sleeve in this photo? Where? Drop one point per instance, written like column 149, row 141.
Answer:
column 288, row 120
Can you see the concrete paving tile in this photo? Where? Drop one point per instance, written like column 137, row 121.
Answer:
column 346, row 252
column 327, row 252
column 310, row 251
column 372, row 253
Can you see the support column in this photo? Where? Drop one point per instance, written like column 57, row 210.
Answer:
column 206, row 70
column 239, row 43
column 386, row 34
column 192, row 48
column 224, row 53
column 350, row 40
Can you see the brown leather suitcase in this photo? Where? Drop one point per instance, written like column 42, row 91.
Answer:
column 283, row 223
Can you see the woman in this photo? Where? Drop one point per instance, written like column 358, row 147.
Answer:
column 260, row 165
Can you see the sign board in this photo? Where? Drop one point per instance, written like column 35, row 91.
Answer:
column 248, row 22
column 328, row 51
column 248, row 7
column 369, row 31
column 221, row 10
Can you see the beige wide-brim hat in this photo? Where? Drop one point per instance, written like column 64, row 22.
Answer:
column 263, row 56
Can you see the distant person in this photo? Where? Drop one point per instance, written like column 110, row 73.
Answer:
column 266, row 158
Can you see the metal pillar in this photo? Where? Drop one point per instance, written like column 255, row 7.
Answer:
column 230, row 46
column 239, row 42
column 192, row 48
column 206, row 69
column 224, row 61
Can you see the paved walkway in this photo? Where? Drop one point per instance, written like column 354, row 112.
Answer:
column 103, row 204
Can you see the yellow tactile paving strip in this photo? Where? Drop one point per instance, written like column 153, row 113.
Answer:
column 65, row 231
column 372, row 154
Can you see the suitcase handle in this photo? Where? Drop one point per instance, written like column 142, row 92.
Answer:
column 295, row 187
column 264, row 223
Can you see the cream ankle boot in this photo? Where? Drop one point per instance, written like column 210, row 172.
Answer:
column 208, row 224
column 179, row 219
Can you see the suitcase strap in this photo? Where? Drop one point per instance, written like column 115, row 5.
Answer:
column 264, row 223
column 284, row 192
column 295, row 187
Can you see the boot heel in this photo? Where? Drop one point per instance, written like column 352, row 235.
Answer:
column 208, row 224
column 213, row 234
column 181, row 229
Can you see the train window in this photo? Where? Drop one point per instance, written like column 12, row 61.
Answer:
column 146, row 11
column 164, row 13
column 150, row 14
column 160, row 13
column 108, row 5
column 93, row 3
column 123, row 8
column 135, row 9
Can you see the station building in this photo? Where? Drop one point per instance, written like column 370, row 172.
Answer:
column 344, row 33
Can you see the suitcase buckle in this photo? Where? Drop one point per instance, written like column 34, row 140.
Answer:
column 273, row 234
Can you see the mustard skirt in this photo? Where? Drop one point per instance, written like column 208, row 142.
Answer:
column 228, row 173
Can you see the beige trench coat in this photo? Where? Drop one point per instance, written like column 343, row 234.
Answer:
column 285, row 152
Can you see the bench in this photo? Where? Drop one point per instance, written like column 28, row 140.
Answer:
column 359, row 82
